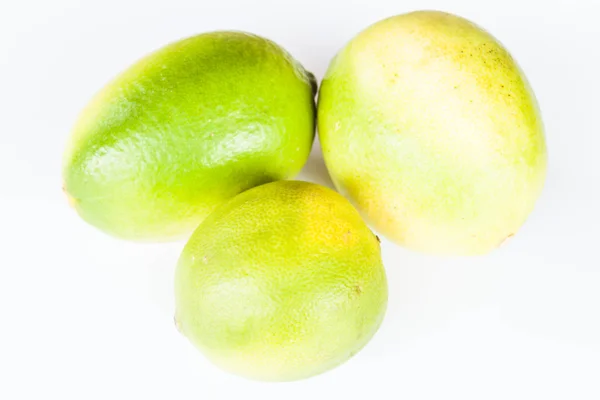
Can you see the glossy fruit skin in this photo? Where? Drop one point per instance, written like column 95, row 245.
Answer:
column 186, row 128
column 282, row 282
column 429, row 126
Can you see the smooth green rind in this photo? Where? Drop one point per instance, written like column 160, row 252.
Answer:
column 282, row 282
column 186, row 128
column 430, row 127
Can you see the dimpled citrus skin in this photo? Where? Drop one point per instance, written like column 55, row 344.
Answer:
column 429, row 126
column 282, row 282
column 186, row 128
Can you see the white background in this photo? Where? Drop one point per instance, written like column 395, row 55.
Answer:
column 85, row 316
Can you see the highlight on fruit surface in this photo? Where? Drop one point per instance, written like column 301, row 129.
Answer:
column 432, row 130
column 282, row 282
column 186, row 128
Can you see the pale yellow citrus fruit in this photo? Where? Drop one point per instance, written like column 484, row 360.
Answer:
column 430, row 127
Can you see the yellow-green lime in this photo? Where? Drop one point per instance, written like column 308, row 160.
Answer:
column 282, row 282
